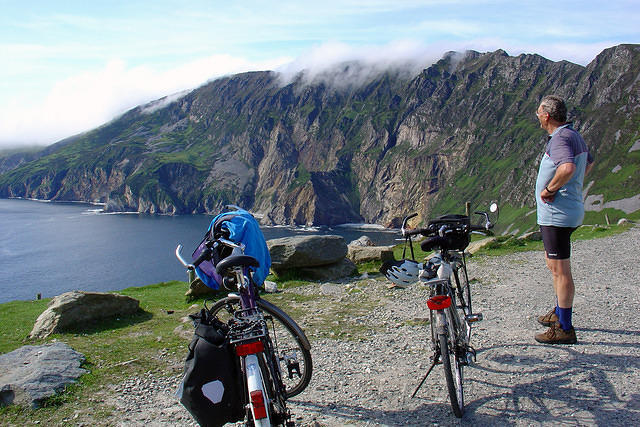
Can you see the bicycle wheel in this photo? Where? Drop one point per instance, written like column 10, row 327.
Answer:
column 453, row 385
column 289, row 341
column 449, row 346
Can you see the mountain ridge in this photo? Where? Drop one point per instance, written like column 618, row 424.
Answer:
column 307, row 152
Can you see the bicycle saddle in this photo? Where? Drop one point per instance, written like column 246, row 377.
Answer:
column 236, row 261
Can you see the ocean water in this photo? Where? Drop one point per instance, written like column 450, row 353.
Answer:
column 52, row 248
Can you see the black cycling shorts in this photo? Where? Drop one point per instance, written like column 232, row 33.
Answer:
column 557, row 241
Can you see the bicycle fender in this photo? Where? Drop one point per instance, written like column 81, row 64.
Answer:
column 255, row 383
column 441, row 322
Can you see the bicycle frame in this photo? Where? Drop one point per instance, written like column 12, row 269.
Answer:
column 449, row 292
column 250, row 337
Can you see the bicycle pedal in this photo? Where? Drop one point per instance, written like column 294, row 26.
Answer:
column 471, row 359
column 471, row 318
column 471, row 353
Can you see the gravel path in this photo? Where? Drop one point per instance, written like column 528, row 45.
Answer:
column 367, row 378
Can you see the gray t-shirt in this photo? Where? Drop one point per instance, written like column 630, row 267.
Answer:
column 567, row 209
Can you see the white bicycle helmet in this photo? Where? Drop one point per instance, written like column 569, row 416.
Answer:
column 402, row 273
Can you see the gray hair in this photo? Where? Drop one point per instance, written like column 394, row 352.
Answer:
column 555, row 106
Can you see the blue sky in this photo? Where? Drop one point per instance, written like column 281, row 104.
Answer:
column 69, row 66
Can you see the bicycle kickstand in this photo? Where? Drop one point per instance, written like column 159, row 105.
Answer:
column 434, row 363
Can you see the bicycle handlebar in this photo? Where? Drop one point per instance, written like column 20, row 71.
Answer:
column 189, row 266
column 207, row 252
column 404, row 225
column 442, row 229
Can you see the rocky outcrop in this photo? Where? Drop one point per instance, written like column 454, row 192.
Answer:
column 74, row 310
column 31, row 374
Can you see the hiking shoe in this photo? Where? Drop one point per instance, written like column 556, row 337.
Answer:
column 548, row 319
column 556, row 335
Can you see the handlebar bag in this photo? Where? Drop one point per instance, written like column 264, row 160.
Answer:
column 457, row 240
column 239, row 226
column 212, row 389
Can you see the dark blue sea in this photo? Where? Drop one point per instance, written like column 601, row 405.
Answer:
column 51, row 248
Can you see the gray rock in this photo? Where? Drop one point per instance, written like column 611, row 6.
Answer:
column 305, row 251
column 338, row 270
column 197, row 288
column 360, row 254
column 362, row 241
column 71, row 309
column 270, row 287
column 31, row 374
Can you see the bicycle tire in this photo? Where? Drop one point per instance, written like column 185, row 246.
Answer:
column 287, row 337
column 277, row 396
column 446, row 363
column 455, row 335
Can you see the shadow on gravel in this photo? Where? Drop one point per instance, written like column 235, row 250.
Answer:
column 430, row 413
column 536, row 383
column 609, row 331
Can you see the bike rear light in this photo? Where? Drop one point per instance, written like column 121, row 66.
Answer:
column 257, row 401
column 249, row 348
column 439, row 302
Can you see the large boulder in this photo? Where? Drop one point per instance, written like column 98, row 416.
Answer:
column 360, row 254
column 72, row 310
column 313, row 257
column 31, row 374
column 305, row 251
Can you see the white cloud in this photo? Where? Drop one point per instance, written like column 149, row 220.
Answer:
column 321, row 63
column 91, row 98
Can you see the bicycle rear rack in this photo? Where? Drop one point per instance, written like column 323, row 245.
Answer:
column 247, row 325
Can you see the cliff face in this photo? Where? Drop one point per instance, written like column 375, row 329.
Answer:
column 320, row 153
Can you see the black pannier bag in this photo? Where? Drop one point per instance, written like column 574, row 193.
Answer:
column 212, row 386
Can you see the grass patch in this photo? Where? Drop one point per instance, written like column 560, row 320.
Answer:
column 587, row 232
column 504, row 245
column 146, row 338
column 417, row 322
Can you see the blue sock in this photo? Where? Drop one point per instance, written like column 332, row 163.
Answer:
column 564, row 317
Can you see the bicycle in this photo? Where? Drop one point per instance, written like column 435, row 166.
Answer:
column 449, row 301
column 266, row 340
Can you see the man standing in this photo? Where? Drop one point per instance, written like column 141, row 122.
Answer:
column 560, row 211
